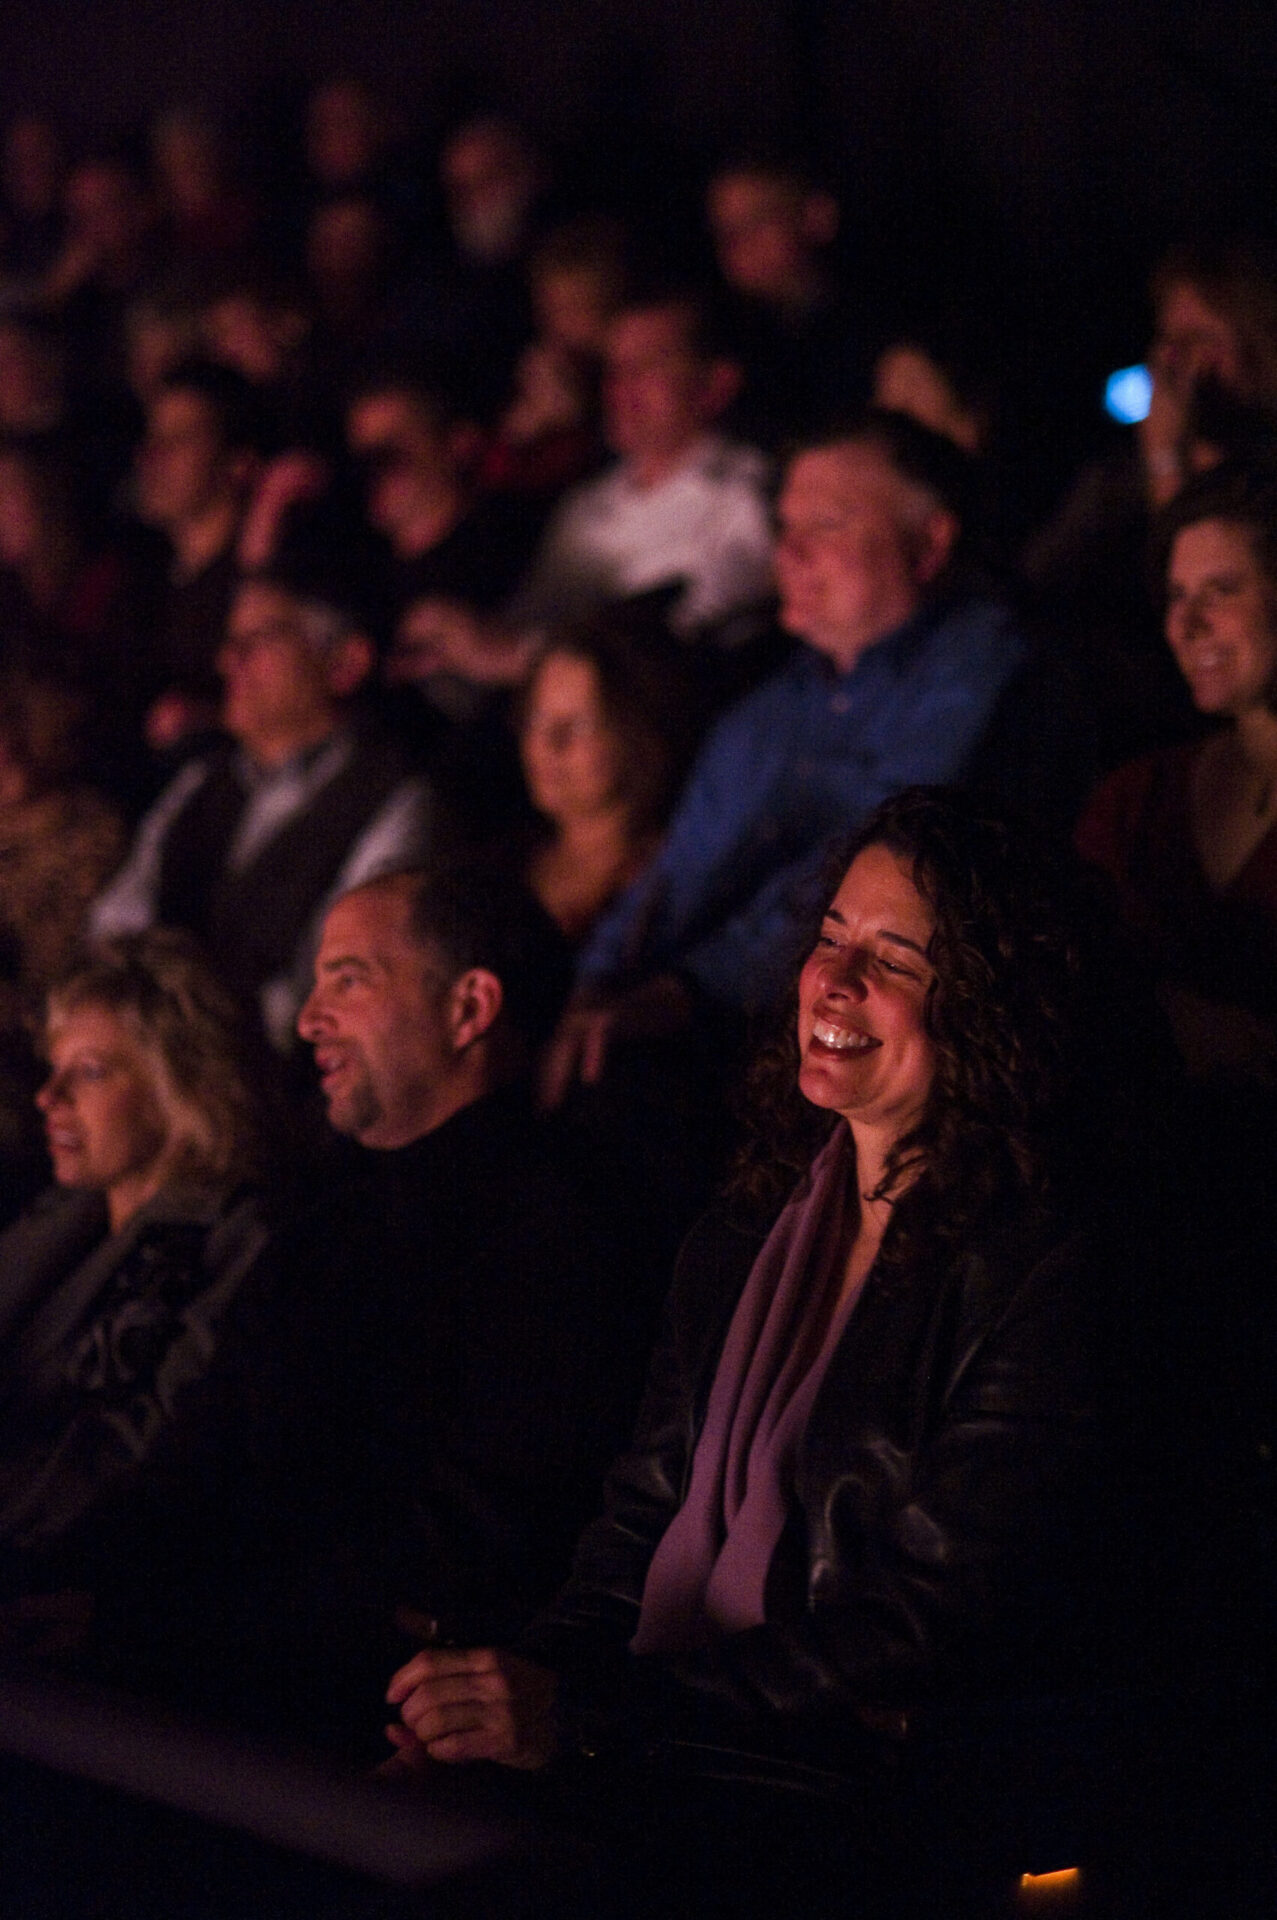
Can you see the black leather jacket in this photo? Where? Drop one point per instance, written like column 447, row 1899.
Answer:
column 947, row 1511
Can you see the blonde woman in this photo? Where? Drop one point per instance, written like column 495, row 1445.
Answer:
column 115, row 1284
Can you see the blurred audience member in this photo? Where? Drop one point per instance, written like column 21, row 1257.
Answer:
column 802, row 346
column 492, row 179
column 32, row 383
column 896, row 682
column 194, row 469
column 109, row 254
column 472, row 300
column 350, row 249
column 260, row 324
column 1215, row 336
column 252, row 838
column 207, row 218
column 59, row 840
column 600, row 739
column 420, row 454
column 32, row 167
column 346, row 135
column 550, row 433
column 1189, row 834
column 115, row 1285
column 682, row 509
column 161, row 331
column 943, row 380
column 75, row 607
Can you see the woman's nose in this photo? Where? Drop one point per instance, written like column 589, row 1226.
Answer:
column 845, row 974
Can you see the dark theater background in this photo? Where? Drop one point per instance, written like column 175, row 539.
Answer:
column 357, row 499
column 1027, row 159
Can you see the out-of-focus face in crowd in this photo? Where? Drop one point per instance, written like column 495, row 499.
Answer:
column 410, row 459
column 768, row 233
column 572, row 755
column 1193, row 342
column 107, row 212
column 344, row 134
column 1220, row 619
column 158, row 338
column 186, row 153
column 346, row 246
column 182, row 464
column 491, row 177
column 572, row 306
column 283, row 678
column 659, row 392
column 857, row 546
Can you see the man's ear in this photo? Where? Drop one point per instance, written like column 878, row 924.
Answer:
column 474, row 1006
column 349, row 664
column 937, row 538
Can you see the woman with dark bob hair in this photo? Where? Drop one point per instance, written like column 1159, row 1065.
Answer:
column 865, row 1477
column 604, row 739
column 1189, row 834
column 115, row 1284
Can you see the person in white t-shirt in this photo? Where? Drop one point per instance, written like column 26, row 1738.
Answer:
column 682, row 508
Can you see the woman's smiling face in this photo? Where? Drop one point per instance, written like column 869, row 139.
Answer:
column 865, row 1051
column 1219, row 618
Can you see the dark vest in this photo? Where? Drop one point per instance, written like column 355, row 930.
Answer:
column 252, row 921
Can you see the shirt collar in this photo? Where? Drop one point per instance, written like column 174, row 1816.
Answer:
column 254, row 776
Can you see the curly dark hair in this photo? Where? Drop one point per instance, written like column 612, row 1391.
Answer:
column 1039, row 1019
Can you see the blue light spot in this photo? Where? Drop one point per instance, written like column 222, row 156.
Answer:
column 1128, row 393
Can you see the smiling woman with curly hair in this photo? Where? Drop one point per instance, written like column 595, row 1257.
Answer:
column 1038, row 1012
column 865, row 1476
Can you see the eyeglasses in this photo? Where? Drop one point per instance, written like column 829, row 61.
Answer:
column 563, row 733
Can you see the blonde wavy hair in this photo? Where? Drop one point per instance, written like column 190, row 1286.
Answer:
column 191, row 1033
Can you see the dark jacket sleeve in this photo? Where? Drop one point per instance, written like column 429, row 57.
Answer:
column 940, row 1538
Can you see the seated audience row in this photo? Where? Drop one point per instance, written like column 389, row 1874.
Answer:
column 446, row 648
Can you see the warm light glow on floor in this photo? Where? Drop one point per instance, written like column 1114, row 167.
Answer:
column 1049, row 1893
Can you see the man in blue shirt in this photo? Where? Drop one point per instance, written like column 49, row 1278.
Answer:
column 894, row 684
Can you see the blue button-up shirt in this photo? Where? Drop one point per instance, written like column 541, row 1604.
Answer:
column 801, row 760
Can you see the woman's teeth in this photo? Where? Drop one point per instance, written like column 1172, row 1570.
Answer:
column 841, row 1039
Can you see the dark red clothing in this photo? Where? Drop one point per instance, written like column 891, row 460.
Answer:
column 1138, row 829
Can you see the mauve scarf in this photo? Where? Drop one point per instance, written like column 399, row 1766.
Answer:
column 709, row 1572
